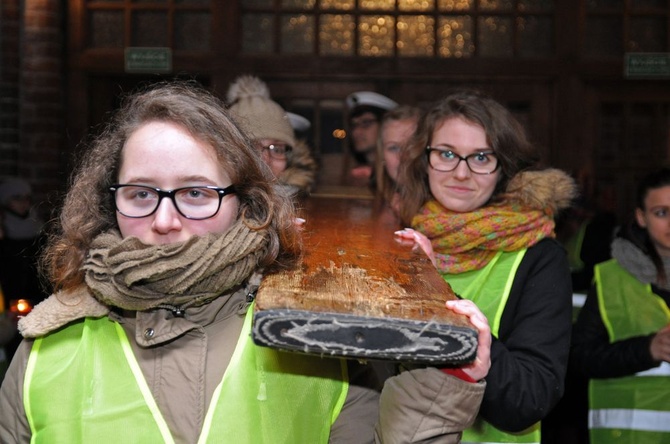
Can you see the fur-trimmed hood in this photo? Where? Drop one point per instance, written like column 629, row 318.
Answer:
column 550, row 189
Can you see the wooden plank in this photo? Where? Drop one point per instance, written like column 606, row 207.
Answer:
column 359, row 293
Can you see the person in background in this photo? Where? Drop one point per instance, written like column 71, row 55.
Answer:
column 22, row 240
column 171, row 220
column 586, row 230
column 271, row 130
column 366, row 109
column 397, row 127
column 482, row 209
column 621, row 339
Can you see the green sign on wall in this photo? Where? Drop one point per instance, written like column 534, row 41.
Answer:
column 647, row 64
column 153, row 60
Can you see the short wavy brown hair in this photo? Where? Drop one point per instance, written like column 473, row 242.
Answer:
column 88, row 209
column 506, row 136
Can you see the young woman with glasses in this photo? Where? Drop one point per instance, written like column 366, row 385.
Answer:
column 170, row 222
column 484, row 213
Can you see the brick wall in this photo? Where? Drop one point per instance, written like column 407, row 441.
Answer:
column 9, row 86
column 33, row 94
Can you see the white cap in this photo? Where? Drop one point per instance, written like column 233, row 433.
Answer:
column 370, row 98
column 298, row 122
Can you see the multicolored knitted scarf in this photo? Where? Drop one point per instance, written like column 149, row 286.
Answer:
column 468, row 241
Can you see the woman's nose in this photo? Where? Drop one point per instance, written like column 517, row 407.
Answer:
column 166, row 217
column 462, row 170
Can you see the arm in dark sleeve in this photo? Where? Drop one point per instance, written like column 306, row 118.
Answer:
column 593, row 356
column 529, row 358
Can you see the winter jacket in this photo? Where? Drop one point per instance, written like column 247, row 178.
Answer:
column 633, row 408
column 529, row 356
column 183, row 360
column 592, row 354
column 300, row 172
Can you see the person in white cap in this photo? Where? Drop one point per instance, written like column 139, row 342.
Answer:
column 366, row 109
column 271, row 129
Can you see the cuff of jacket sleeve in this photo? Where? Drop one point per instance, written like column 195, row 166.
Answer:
column 458, row 373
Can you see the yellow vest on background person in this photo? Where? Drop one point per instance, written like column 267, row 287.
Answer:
column 489, row 288
column 84, row 385
column 632, row 409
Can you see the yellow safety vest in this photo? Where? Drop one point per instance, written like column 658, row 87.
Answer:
column 489, row 288
column 83, row 384
column 632, row 409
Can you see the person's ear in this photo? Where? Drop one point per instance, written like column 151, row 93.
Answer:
column 639, row 217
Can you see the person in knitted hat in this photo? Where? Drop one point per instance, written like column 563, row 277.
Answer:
column 270, row 128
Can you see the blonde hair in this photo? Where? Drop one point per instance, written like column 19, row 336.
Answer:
column 385, row 186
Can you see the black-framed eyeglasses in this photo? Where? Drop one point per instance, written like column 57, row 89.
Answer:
column 277, row 151
column 195, row 203
column 481, row 162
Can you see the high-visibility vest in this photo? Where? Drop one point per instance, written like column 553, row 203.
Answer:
column 632, row 409
column 573, row 246
column 83, row 384
column 489, row 288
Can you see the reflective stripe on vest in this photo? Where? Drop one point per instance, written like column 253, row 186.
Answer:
column 632, row 409
column 83, row 384
column 489, row 288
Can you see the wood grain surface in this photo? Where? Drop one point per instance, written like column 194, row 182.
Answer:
column 360, row 293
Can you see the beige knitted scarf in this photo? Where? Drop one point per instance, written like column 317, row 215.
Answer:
column 128, row 274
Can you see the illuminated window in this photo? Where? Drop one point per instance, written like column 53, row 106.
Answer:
column 400, row 28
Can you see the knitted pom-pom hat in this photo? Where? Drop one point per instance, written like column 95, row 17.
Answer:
column 257, row 114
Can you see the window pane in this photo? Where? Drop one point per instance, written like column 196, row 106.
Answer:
column 257, row 33
column 304, row 4
column 536, row 36
column 611, row 133
column 192, row 30
column 604, row 4
column 455, row 37
column 641, row 134
column 496, row 5
column 416, row 5
column 336, row 34
column 645, row 4
column 106, row 29
column 415, row 35
column 603, row 36
column 455, row 5
column 337, row 4
column 376, row 35
column 377, row 4
column 495, row 37
column 150, row 28
column 648, row 34
column 297, row 34
column 535, row 5
column 257, row 3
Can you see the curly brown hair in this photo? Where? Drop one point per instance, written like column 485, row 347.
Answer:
column 88, row 209
column 506, row 136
